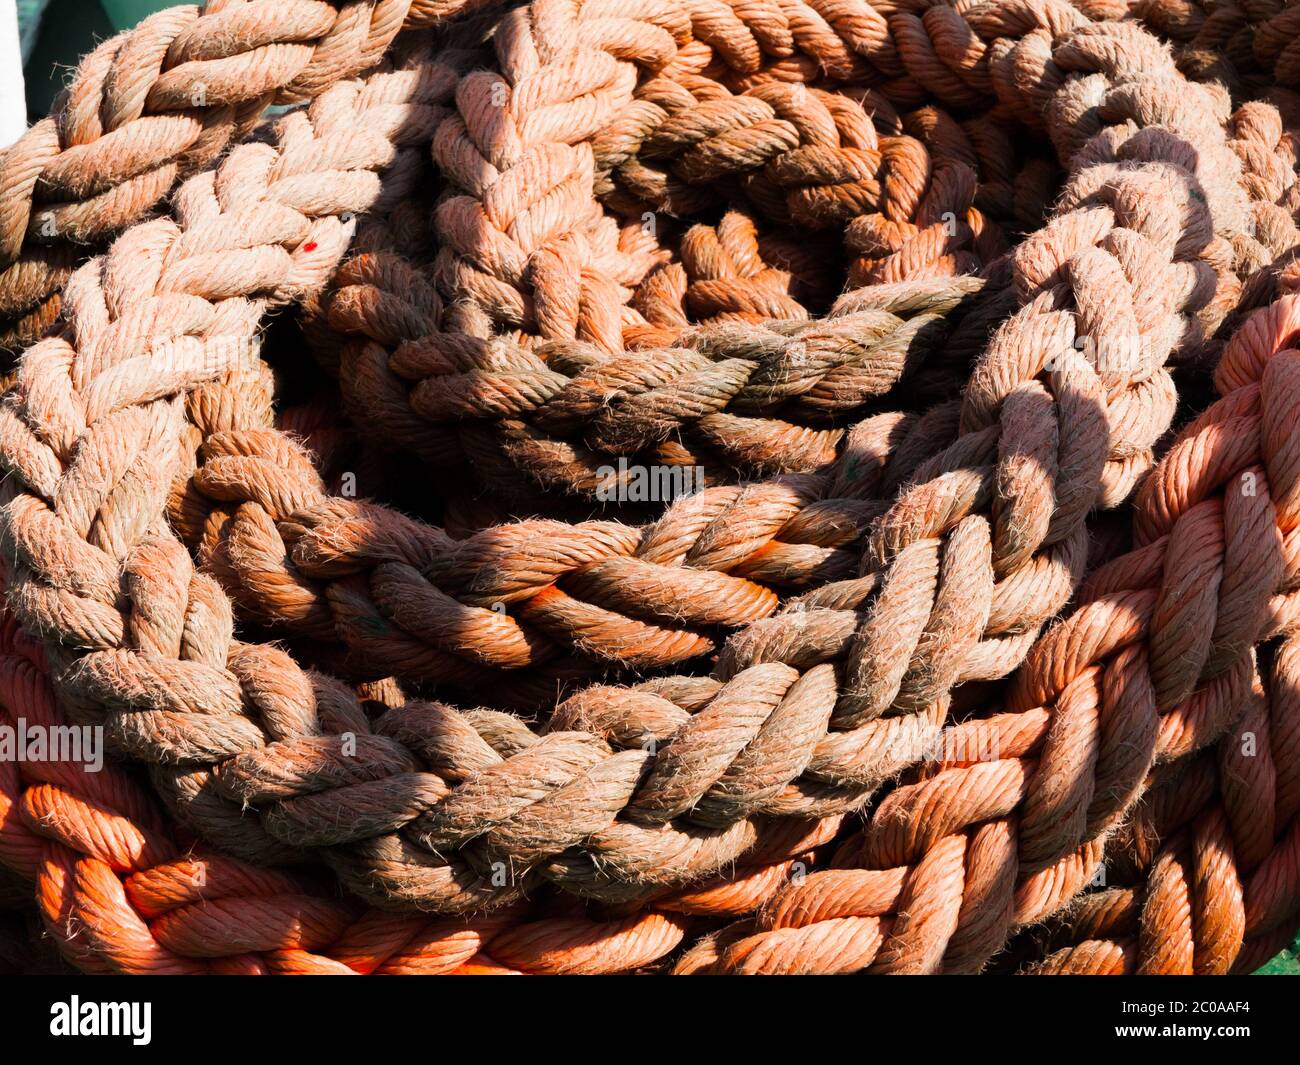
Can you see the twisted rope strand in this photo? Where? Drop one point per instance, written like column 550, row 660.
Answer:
column 120, row 892
column 173, row 685
column 818, row 152
column 105, row 309
column 1027, row 518
column 1009, row 823
column 526, row 594
column 287, row 593
column 629, row 792
column 1222, row 892
column 158, row 102
column 243, row 547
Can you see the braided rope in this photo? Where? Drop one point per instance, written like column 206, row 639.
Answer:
column 120, row 892
column 627, row 793
column 147, row 668
column 167, row 97
column 804, row 154
column 761, row 397
column 1221, row 893
column 1054, row 459
column 408, row 599
column 645, row 611
column 579, row 624
column 401, row 619
column 210, row 222
column 1156, row 664
column 1144, row 409
column 160, row 101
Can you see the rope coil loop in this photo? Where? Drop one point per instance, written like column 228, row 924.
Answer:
column 734, row 391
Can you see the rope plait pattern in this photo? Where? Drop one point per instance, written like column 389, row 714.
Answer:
column 406, row 596
column 94, row 676
column 761, row 550
column 400, row 105
column 935, row 569
column 155, row 103
column 1155, row 665
column 121, row 892
column 588, row 622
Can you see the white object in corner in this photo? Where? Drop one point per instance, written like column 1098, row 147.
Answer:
column 13, row 102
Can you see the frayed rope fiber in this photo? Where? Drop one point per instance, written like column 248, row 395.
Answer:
column 925, row 616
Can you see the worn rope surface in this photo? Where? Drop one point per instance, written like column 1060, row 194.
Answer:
column 626, row 793
column 160, row 101
column 597, row 621
column 1157, row 664
column 120, row 892
column 644, row 846
column 199, row 208
column 523, row 595
column 713, row 563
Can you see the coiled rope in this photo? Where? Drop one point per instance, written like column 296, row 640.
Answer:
column 627, row 793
